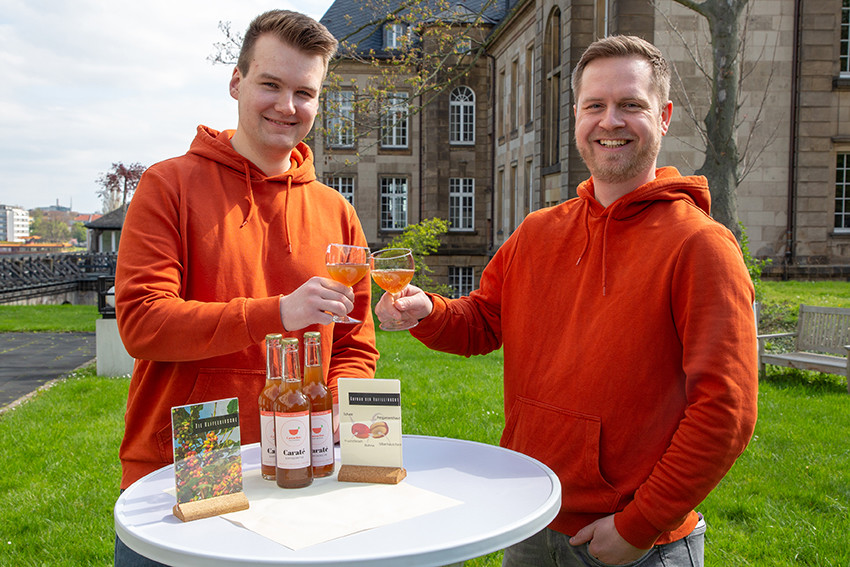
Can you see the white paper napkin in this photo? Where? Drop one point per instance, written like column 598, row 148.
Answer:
column 328, row 509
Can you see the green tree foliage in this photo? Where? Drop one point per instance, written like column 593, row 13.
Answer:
column 423, row 239
column 754, row 265
column 79, row 232
column 49, row 228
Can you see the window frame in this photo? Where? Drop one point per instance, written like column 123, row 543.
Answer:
column 462, row 116
column 844, row 41
column 336, row 182
column 393, row 196
column 461, row 280
column 529, row 85
column 841, row 214
column 395, row 121
column 461, row 204
column 514, row 97
column 551, row 154
column 339, row 119
column 393, row 31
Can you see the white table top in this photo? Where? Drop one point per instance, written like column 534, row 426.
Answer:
column 506, row 497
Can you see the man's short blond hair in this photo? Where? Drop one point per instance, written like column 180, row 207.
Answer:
column 626, row 46
column 293, row 28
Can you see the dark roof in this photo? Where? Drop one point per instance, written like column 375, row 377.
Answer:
column 113, row 220
column 355, row 23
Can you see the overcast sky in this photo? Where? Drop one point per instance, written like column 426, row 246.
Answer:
column 86, row 83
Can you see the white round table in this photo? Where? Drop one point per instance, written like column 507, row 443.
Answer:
column 506, row 497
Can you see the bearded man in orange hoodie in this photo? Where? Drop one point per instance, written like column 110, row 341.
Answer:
column 226, row 244
column 630, row 363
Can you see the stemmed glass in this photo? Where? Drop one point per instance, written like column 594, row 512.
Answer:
column 347, row 264
column 392, row 270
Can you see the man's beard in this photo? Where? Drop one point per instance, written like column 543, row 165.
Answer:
column 621, row 168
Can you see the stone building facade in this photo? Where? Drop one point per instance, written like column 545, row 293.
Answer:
column 437, row 163
column 794, row 131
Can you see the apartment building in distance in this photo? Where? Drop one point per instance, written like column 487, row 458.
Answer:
column 14, row 224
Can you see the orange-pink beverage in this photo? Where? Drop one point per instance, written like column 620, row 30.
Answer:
column 270, row 392
column 392, row 281
column 292, row 424
column 348, row 274
column 321, row 407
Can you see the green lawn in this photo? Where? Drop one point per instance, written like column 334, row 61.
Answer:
column 825, row 293
column 784, row 503
column 48, row 318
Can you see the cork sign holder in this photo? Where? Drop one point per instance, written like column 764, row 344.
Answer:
column 207, row 459
column 208, row 507
column 370, row 431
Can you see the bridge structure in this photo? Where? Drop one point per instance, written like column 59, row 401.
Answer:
column 56, row 278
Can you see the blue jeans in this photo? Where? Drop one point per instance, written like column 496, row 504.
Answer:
column 549, row 548
column 126, row 557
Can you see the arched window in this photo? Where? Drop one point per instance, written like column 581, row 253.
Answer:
column 462, row 116
column 552, row 90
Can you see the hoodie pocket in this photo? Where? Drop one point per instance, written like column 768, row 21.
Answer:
column 568, row 443
column 216, row 384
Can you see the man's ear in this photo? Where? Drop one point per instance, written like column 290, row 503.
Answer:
column 666, row 115
column 234, row 83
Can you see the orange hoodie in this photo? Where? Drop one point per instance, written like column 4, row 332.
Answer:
column 208, row 246
column 630, row 352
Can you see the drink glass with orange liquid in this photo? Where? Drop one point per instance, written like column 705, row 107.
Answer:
column 392, row 270
column 347, row 264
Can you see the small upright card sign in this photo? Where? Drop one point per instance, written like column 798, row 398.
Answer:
column 370, row 431
column 207, row 459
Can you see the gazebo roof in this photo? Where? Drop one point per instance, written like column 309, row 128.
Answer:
column 113, row 220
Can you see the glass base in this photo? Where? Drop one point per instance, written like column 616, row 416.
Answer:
column 397, row 326
column 346, row 319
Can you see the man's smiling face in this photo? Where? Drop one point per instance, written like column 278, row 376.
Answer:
column 620, row 120
column 278, row 101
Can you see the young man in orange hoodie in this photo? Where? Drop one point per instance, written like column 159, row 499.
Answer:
column 627, row 325
column 226, row 244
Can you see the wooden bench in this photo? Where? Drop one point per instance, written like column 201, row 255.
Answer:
column 820, row 330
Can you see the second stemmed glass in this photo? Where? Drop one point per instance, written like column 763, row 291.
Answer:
column 392, row 270
column 347, row 264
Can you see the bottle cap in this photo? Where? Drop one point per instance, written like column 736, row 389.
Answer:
column 290, row 341
column 312, row 335
column 273, row 336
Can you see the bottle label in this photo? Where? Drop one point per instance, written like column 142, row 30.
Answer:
column 322, row 433
column 267, row 445
column 292, row 438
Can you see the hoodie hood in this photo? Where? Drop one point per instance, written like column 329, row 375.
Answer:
column 668, row 185
column 216, row 146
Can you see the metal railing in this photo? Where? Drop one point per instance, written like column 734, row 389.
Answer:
column 33, row 275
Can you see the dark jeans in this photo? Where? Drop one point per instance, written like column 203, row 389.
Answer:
column 126, row 557
column 549, row 548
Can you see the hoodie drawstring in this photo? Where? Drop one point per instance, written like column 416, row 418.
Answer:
column 286, row 214
column 604, row 244
column 586, row 235
column 251, row 203
column 605, row 253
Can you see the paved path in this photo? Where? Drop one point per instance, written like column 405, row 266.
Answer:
column 30, row 360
